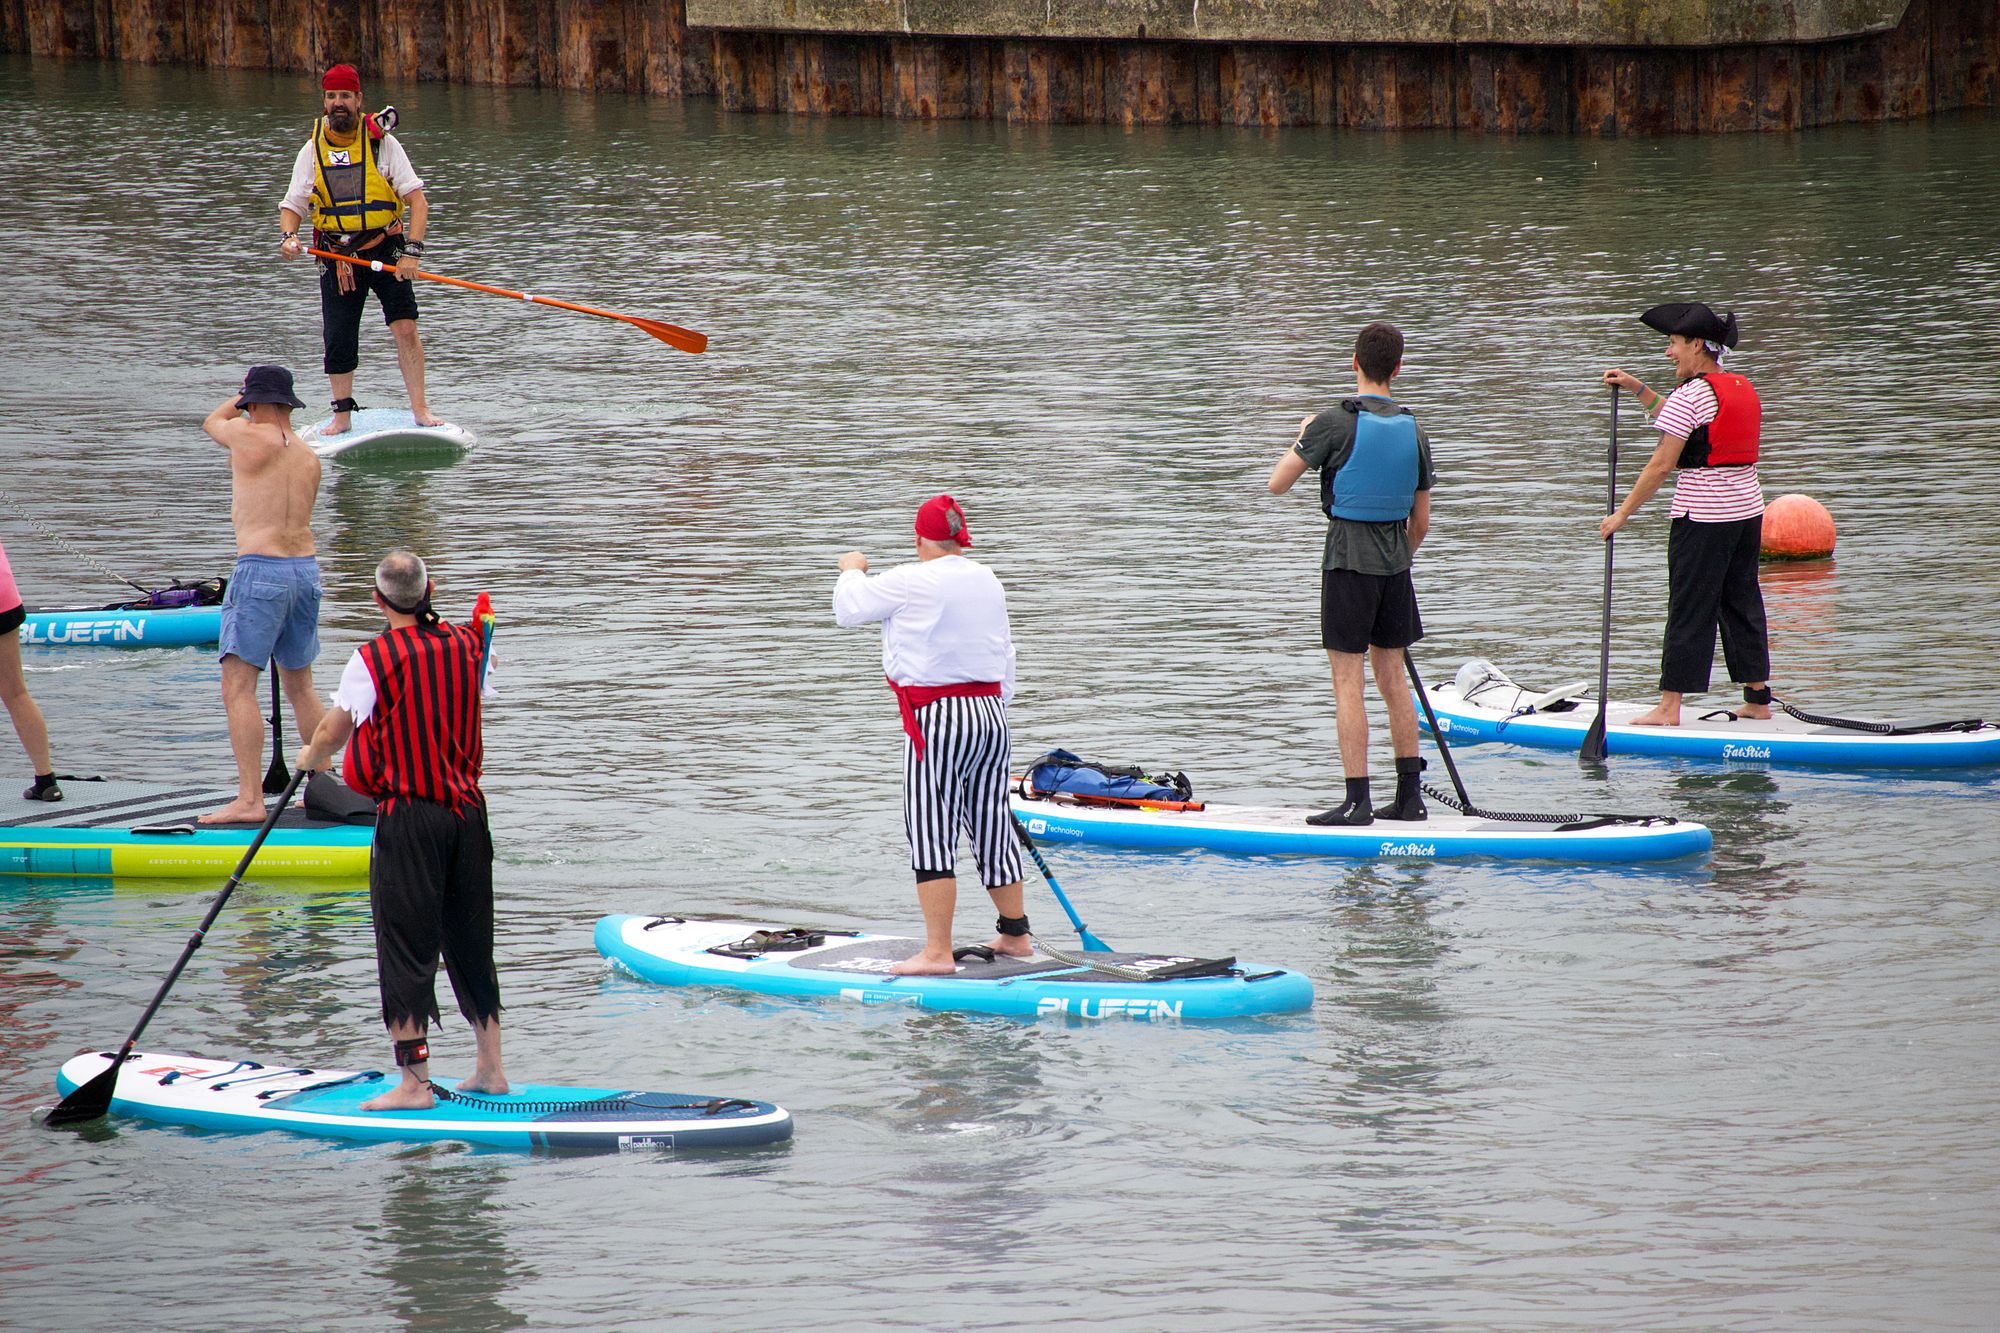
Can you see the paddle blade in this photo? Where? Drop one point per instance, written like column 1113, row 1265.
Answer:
column 671, row 334
column 1593, row 741
column 1091, row 944
column 88, row 1102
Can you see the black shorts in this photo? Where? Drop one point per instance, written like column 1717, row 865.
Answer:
column 1359, row 611
column 430, row 883
column 13, row 619
column 340, row 312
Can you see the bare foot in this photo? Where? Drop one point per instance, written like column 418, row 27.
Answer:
column 491, row 1085
column 236, row 812
column 405, row 1096
column 925, row 964
column 1756, row 712
column 1657, row 717
column 1014, row 946
column 426, row 417
column 338, row 426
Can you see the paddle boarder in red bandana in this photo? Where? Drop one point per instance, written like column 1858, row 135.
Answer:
column 948, row 653
column 353, row 179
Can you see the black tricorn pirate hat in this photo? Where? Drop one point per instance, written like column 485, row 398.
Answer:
column 1692, row 319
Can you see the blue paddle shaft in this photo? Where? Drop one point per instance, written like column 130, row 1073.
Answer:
column 1091, row 943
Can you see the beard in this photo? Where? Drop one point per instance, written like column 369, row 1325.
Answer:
column 341, row 119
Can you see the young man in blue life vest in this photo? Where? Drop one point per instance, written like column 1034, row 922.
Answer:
column 1374, row 463
column 1709, row 427
column 409, row 702
column 353, row 180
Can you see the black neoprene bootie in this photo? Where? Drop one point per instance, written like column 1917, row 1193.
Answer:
column 1409, row 802
column 1354, row 810
column 45, row 788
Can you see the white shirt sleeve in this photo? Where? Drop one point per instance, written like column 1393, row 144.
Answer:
column 356, row 693
column 863, row 599
column 395, row 164
column 298, row 196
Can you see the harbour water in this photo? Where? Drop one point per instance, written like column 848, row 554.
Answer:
column 1755, row 1092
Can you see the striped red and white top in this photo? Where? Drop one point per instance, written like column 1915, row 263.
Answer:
column 422, row 737
column 1706, row 494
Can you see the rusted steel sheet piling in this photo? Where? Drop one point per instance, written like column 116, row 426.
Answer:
column 1602, row 67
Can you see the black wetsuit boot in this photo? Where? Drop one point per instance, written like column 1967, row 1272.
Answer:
column 1409, row 802
column 45, row 788
column 1354, row 810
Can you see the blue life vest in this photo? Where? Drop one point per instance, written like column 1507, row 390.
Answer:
column 1378, row 482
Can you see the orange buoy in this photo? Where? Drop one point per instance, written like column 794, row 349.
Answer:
column 1797, row 527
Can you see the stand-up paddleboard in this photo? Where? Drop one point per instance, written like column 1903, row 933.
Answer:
column 121, row 627
column 380, row 431
column 1484, row 704
column 1247, row 830
column 250, row 1096
column 854, row 965
column 146, row 829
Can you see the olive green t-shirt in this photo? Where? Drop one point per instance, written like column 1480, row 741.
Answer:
column 1366, row 548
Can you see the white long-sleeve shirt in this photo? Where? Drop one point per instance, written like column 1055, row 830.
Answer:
column 944, row 621
column 390, row 159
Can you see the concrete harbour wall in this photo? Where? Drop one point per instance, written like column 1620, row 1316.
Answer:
column 1601, row 67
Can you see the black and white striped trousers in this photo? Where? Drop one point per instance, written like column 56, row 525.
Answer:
column 961, row 782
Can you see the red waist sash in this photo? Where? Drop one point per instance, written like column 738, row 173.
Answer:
column 909, row 698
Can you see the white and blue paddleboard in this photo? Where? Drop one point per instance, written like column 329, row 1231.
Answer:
column 854, row 965
column 121, row 626
column 1484, row 704
column 379, row 431
column 249, row 1096
column 1247, row 830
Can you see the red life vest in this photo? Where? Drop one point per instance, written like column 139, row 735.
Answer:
column 1731, row 439
column 422, row 740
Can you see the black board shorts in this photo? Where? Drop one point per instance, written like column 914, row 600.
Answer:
column 12, row 619
column 1360, row 611
column 430, row 883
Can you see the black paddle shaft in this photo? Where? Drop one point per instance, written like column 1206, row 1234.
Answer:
column 1594, row 750
column 1437, row 734
column 93, row 1099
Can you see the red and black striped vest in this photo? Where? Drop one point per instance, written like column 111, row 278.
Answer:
column 422, row 740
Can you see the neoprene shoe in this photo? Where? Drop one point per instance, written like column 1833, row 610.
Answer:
column 1351, row 813
column 45, row 789
column 1407, row 806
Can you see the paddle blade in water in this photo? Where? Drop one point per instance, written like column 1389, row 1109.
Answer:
column 1593, row 740
column 88, row 1102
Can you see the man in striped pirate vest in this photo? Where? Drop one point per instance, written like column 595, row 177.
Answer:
column 949, row 656
column 408, row 709
column 1709, row 427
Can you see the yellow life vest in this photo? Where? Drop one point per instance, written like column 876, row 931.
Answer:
column 351, row 196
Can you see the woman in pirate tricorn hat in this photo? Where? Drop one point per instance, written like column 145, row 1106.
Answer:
column 1708, row 430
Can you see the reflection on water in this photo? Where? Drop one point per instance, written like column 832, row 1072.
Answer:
column 1524, row 1089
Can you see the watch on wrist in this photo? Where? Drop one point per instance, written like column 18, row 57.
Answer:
column 414, row 248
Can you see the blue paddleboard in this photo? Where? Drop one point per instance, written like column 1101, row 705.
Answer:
column 1483, row 704
column 248, row 1096
column 1244, row 830
column 121, row 627
column 854, row 965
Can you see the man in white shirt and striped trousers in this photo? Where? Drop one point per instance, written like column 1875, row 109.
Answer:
column 949, row 656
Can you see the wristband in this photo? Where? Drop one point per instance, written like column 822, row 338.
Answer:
column 288, row 236
column 413, row 248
